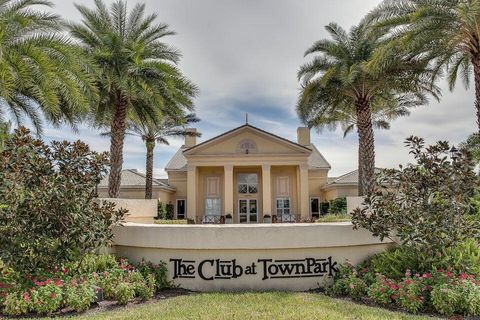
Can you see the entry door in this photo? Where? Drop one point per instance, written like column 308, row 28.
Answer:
column 248, row 211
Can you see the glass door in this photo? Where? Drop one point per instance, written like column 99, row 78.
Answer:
column 248, row 211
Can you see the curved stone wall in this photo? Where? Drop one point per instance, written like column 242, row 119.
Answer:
column 248, row 257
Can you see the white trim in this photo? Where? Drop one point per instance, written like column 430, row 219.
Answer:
column 289, row 205
column 176, row 208
column 248, row 208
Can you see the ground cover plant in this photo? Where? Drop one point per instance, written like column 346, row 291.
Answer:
column 76, row 288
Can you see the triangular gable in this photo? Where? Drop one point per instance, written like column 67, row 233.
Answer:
column 228, row 142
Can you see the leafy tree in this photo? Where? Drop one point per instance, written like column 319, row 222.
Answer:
column 341, row 84
column 426, row 205
column 138, row 76
column 40, row 69
column 472, row 145
column 49, row 214
column 152, row 133
column 445, row 32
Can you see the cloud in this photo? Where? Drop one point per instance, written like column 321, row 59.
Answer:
column 244, row 56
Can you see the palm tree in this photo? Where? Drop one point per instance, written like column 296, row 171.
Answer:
column 446, row 32
column 4, row 133
column 138, row 75
column 340, row 84
column 152, row 133
column 40, row 69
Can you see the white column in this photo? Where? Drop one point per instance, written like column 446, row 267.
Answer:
column 266, row 190
column 304, row 197
column 228, row 188
column 192, row 192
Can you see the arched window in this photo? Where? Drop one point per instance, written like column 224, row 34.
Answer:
column 246, row 146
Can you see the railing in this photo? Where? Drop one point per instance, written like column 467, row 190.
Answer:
column 286, row 218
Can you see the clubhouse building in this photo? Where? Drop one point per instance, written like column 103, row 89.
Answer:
column 245, row 175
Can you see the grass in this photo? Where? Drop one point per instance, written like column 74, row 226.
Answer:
column 163, row 221
column 342, row 217
column 249, row 305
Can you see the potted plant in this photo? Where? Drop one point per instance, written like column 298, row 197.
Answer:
column 267, row 218
column 228, row 218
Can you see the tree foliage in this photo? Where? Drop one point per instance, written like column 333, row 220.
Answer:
column 425, row 205
column 341, row 85
column 138, row 73
column 41, row 69
column 48, row 213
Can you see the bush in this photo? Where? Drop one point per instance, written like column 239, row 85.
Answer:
column 97, row 263
column 108, row 280
column 170, row 211
column 142, row 289
column 410, row 295
column 383, row 290
column 124, row 292
column 49, row 214
column 17, row 303
column 159, row 271
column 445, row 298
column 425, row 205
column 79, row 296
column 47, row 299
column 461, row 258
column 338, row 206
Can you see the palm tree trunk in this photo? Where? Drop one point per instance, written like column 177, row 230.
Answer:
column 360, row 157
column 367, row 146
column 149, row 170
column 116, row 147
column 476, row 71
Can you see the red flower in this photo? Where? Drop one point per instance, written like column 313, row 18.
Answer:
column 58, row 282
column 26, row 297
column 427, row 275
column 52, row 295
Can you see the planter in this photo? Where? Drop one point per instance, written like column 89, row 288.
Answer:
column 267, row 218
column 228, row 219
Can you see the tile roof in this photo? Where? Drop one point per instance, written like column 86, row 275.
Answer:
column 178, row 161
column 133, row 178
column 348, row 178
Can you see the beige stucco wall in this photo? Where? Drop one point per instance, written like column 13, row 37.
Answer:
column 138, row 193
column 316, row 180
column 327, row 244
column 139, row 210
column 334, row 192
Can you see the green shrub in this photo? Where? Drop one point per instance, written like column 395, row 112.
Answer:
column 429, row 207
column 470, row 299
column 50, row 215
column 445, row 298
column 324, row 206
column 338, row 206
column 382, row 290
column 124, row 292
column 159, row 271
column 17, row 303
column 410, row 294
column 79, row 296
column 47, row 299
column 356, row 288
column 108, row 281
column 97, row 263
column 170, row 211
column 161, row 211
column 140, row 285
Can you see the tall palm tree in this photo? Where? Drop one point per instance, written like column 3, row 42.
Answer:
column 446, row 32
column 341, row 82
column 138, row 77
column 40, row 69
column 153, row 133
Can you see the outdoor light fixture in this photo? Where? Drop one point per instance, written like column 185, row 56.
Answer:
column 454, row 153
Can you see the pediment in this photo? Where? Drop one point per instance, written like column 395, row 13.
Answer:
column 247, row 140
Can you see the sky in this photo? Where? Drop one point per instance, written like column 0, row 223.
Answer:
column 244, row 56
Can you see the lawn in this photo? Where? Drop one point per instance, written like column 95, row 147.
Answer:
column 268, row 305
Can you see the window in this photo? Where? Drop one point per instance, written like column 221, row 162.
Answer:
column 315, row 207
column 283, row 206
column 181, row 208
column 212, row 206
column 247, row 183
column 247, row 209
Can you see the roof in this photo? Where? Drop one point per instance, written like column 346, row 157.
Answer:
column 315, row 161
column 133, row 178
column 348, row 178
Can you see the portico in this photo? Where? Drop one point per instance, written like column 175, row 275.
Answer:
column 248, row 175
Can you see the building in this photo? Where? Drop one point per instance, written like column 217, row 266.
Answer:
column 248, row 174
column 133, row 187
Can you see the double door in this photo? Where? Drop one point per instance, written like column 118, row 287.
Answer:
column 247, row 211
